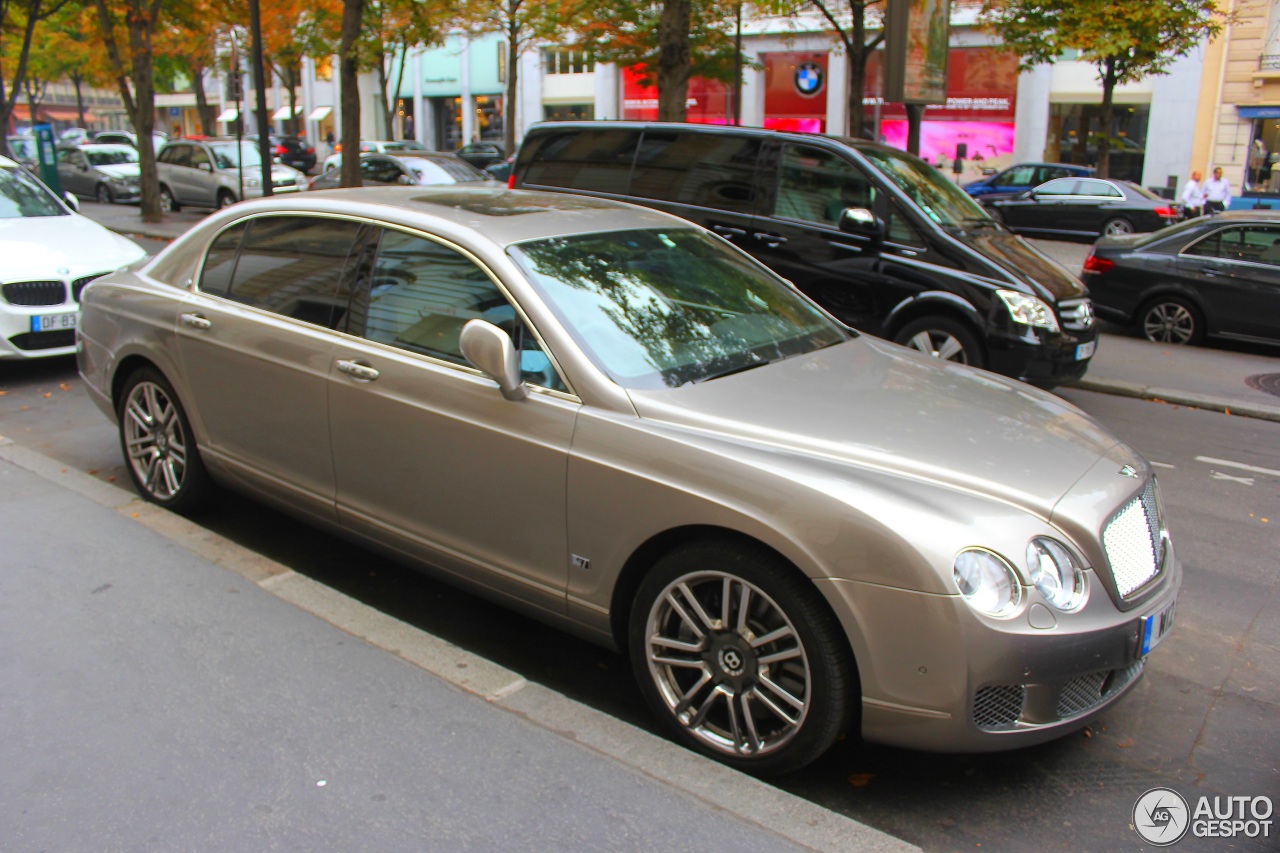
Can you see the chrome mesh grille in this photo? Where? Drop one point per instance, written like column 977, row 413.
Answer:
column 1076, row 314
column 35, row 292
column 1087, row 691
column 999, row 706
column 1133, row 543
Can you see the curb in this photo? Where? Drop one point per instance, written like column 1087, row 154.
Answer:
column 751, row 801
column 1119, row 388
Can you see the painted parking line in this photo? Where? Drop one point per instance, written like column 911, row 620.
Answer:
column 1240, row 466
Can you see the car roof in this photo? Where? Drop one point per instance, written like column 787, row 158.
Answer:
column 1270, row 217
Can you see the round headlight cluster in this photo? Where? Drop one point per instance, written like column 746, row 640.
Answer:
column 1056, row 573
column 987, row 582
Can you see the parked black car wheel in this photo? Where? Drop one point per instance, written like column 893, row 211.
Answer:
column 1171, row 320
column 944, row 338
column 1117, row 227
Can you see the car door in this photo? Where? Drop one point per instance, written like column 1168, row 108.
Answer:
column 1091, row 206
column 198, row 180
column 797, row 234
column 256, row 341
column 72, row 168
column 429, row 456
column 1236, row 272
column 1040, row 209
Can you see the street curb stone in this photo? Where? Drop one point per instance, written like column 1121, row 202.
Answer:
column 1121, row 388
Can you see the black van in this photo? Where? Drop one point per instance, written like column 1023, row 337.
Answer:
column 873, row 234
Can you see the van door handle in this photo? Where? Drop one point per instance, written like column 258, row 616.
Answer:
column 356, row 370
column 196, row 321
column 727, row 232
column 773, row 241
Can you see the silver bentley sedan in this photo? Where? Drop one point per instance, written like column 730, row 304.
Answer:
column 616, row 421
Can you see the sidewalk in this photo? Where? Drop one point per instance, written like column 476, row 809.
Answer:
column 166, row 689
column 1201, row 377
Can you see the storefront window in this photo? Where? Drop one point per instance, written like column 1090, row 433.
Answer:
column 1075, row 131
column 568, row 112
column 1262, row 169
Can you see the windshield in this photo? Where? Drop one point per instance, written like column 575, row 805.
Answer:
column 111, row 157
column 440, row 171
column 940, row 199
column 22, row 195
column 658, row 309
column 224, row 156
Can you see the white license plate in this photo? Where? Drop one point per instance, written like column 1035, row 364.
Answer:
column 53, row 322
column 1086, row 350
column 1156, row 627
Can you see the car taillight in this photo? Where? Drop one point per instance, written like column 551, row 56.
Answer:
column 310, row 150
column 337, row 149
column 281, row 150
column 1093, row 263
column 1166, row 212
column 511, row 181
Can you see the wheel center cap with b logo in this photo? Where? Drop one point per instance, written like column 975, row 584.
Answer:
column 731, row 661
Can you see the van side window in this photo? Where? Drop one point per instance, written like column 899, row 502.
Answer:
column 900, row 230
column 598, row 160
column 815, row 185
column 705, row 169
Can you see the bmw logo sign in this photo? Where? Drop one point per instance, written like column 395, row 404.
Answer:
column 809, row 78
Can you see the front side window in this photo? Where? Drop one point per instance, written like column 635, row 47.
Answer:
column 704, row 169
column 1256, row 244
column 657, row 309
column 1019, row 176
column 295, row 266
column 421, row 293
column 1098, row 189
column 816, row 185
column 938, row 198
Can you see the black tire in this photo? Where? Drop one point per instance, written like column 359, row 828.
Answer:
column 168, row 204
column 102, row 193
column 225, row 199
column 944, row 338
column 159, row 447
column 1171, row 320
column 763, row 719
column 1116, row 227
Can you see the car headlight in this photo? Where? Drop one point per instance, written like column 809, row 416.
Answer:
column 1056, row 573
column 987, row 582
column 1028, row 310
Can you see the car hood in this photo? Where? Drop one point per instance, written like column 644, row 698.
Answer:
column 39, row 247
column 1019, row 259
column 120, row 170
column 869, row 403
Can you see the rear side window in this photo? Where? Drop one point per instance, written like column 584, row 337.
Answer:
column 1020, row 176
column 1062, row 186
column 703, row 169
column 295, row 266
column 595, row 160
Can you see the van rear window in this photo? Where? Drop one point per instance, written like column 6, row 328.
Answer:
column 597, row 161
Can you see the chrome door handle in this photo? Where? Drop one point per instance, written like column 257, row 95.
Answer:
column 355, row 370
column 771, row 240
column 727, row 232
column 195, row 321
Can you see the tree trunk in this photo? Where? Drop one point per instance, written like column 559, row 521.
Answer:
column 292, row 75
column 204, row 110
column 403, row 46
column 1108, row 70
column 510, row 109
column 8, row 102
column 674, row 61
column 348, row 72
column 915, row 117
column 78, row 82
column 144, row 111
column 857, row 51
column 388, row 111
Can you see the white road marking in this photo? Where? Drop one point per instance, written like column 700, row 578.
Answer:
column 1239, row 465
column 1218, row 475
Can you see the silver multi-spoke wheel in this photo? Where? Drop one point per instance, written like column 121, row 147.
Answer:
column 939, row 345
column 155, row 441
column 942, row 338
column 728, row 663
column 1169, row 323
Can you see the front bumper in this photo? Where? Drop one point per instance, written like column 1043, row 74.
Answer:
column 1049, row 360
column 953, row 681
column 18, row 340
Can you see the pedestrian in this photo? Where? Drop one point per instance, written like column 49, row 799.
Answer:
column 328, row 140
column 1193, row 197
column 1217, row 193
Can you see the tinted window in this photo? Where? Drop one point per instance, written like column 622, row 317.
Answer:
column 1065, row 186
column 177, row 155
column 1253, row 244
column 816, row 185
column 704, row 169
column 220, row 262
column 588, row 160
column 1098, row 188
column 1048, row 173
column 938, row 198
column 1019, row 176
column 422, row 293
column 294, row 266
column 380, row 171
column 900, row 230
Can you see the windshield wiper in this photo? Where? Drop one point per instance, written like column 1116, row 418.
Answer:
column 740, row 368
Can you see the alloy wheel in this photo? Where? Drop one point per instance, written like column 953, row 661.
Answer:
column 939, row 344
column 728, row 663
column 155, row 442
column 1169, row 323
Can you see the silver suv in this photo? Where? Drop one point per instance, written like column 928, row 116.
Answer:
column 215, row 173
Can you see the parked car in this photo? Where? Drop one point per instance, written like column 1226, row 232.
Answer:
column 1215, row 276
column 423, row 168
column 208, row 173
column 107, row 173
column 1085, row 207
column 378, row 146
column 872, row 234
column 48, row 253
column 1023, row 177
column 127, row 137
column 501, row 170
column 293, row 151
column 617, row 422
column 481, row 154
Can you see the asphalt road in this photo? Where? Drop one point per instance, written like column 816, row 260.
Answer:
column 1202, row 721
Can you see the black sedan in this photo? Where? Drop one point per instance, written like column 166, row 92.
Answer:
column 1084, row 207
column 1215, row 276
column 418, row 167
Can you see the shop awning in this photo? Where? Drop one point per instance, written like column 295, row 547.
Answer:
column 319, row 114
column 47, row 112
column 283, row 113
column 1259, row 112
column 229, row 114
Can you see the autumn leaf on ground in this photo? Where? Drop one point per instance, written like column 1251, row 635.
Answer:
column 861, row 780
column 48, row 394
column 64, row 387
column 1126, row 743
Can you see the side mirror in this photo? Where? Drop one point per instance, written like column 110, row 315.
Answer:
column 492, row 351
column 205, row 167
column 859, row 220
column 405, row 180
column 72, row 201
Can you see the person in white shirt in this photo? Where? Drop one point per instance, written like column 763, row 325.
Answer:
column 1193, row 197
column 1217, row 193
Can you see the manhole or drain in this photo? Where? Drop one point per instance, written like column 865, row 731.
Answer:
column 1268, row 383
